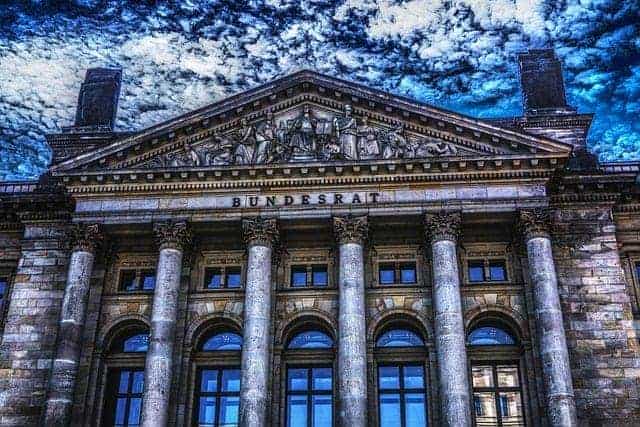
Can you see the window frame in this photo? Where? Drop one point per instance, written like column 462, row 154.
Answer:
column 224, row 277
column 309, row 277
column 397, row 266
column 113, row 393
column 139, row 276
column 402, row 391
column 4, row 307
column 486, row 262
column 218, row 395
column 309, row 393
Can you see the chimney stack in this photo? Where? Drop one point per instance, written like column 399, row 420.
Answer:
column 98, row 99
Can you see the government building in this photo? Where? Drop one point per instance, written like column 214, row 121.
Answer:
column 317, row 253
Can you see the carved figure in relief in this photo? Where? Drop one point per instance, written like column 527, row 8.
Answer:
column 368, row 142
column 439, row 148
column 346, row 129
column 265, row 138
column 396, row 143
column 302, row 130
column 246, row 147
column 220, row 152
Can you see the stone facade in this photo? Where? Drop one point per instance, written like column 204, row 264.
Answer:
column 438, row 195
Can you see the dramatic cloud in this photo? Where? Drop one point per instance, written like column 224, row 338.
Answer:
column 180, row 55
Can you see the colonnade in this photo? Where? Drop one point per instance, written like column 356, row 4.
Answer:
column 442, row 232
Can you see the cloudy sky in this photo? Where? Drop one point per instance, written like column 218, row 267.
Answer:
column 181, row 55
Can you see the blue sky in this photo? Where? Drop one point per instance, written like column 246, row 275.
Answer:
column 181, row 55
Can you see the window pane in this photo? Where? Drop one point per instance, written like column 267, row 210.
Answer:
column 413, row 377
column 212, row 278
column 233, row 278
column 476, row 271
column 128, row 280
column 321, row 378
column 311, row 339
column 321, row 410
column 320, row 275
column 399, row 338
column 297, row 411
column 138, row 343
column 390, row 410
column 485, row 409
column 415, row 410
column 387, row 275
column 482, row 376
column 508, row 376
column 408, row 273
column 511, row 409
column 224, row 341
column 297, row 379
column 497, row 271
column 121, row 407
column 135, row 406
column 489, row 335
column 123, row 385
column 148, row 280
column 209, row 381
column 389, row 377
column 229, row 411
column 137, row 385
column 298, row 276
column 231, row 380
column 207, row 411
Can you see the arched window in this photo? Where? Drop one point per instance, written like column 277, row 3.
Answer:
column 401, row 360
column 224, row 341
column 490, row 335
column 217, row 388
column 399, row 338
column 125, row 376
column 308, row 381
column 310, row 339
column 495, row 374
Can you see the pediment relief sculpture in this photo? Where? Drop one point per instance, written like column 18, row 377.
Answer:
column 304, row 135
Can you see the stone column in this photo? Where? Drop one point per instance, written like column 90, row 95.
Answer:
column 556, row 370
column 172, row 238
column 351, row 233
column 260, row 236
column 442, row 231
column 64, row 370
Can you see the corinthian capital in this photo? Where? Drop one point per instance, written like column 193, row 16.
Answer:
column 442, row 226
column 85, row 237
column 260, row 231
column 170, row 234
column 534, row 223
column 350, row 229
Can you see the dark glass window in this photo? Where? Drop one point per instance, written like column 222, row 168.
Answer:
column 399, row 338
column 138, row 343
column 408, row 273
column 217, row 397
column 4, row 288
column 124, row 397
column 402, row 396
column 224, row 341
column 387, row 274
column 233, row 277
column 497, row 395
column 298, row 276
column 391, row 274
column 222, row 277
column 309, row 397
column 476, row 271
column 319, row 275
column 213, row 278
column 311, row 339
column 490, row 335
column 497, row 271
column 137, row 280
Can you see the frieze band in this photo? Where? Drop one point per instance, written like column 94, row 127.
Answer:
column 443, row 226
column 350, row 229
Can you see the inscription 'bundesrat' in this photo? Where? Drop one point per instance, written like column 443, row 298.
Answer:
column 306, row 199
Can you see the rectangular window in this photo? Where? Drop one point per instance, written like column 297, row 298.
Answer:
column 124, row 397
column 222, row 278
column 497, row 395
column 497, row 271
column 213, row 278
column 137, row 280
column 310, row 397
column 476, row 271
column 402, row 396
column 480, row 271
column 4, row 289
column 303, row 276
column 233, row 277
column 398, row 273
column 217, row 397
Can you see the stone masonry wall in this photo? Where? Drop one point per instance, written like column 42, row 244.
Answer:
column 31, row 325
column 603, row 348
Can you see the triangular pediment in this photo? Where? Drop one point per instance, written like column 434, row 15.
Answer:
column 309, row 118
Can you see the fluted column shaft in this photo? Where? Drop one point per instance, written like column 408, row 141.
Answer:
column 172, row 237
column 64, row 370
column 442, row 232
column 260, row 236
column 352, row 346
column 556, row 369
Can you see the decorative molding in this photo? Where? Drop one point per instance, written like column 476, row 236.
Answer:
column 534, row 223
column 350, row 229
column 443, row 226
column 86, row 237
column 260, row 231
column 172, row 234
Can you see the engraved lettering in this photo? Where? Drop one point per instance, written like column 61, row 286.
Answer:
column 374, row 197
column 305, row 199
column 322, row 199
column 253, row 201
column 337, row 199
column 271, row 201
column 236, row 202
column 288, row 200
column 356, row 199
